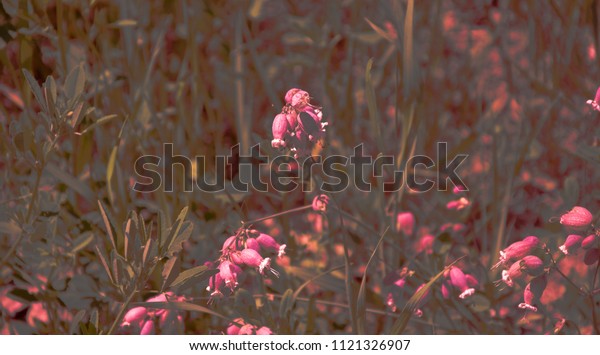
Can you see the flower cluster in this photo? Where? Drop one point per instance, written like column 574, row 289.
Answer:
column 148, row 321
column 456, row 280
column 299, row 125
column 579, row 218
column 400, row 286
column 243, row 250
column 240, row 327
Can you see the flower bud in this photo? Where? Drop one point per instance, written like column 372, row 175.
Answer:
column 264, row 331
column 148, row 328
column 269, row 244
column 247, row 329
column 577, row 217
column 458, row 205
column 300, row 99
column 320, row 202
column 595, row 103
column 530, row 264
column 405, row 223
column 517, row 250
column 234, row 327
column 229, row 245
column 228, row 273
column 134, row 316
column 290, row 94
column 533, row 293
column 589, row 241
column 280, row 129
column 572, row 244
column 252, row 243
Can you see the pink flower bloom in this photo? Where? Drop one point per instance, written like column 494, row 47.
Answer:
column 596, row 101
column 134, row 316
column 215, row 283
column 458, row 280
column 529, row 265
column 253, row 259
column 299, row 100
column 517, row 250
column 148, row 328
column 577, row 217
column 572, row 244
column 458, row 205
column 320, row 202
column 228, row 274
column 229, row 245
column 264, row 331
column 290, row 94
column 269, row 244
column 36, row 312
column 252, row 243
column 425, row 244
column 589, row 241
column 247, row 329
column 280, row 129
column 234, row 327
column 533, row 293
column 405, row 223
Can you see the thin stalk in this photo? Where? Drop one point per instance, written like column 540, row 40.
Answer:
column 293, row 210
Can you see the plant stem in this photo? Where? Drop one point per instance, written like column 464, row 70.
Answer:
column 293, row 210
column 121, row 312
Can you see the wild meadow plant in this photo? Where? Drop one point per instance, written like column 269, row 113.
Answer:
column 409, row 168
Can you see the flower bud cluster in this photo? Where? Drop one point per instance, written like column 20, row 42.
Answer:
column 148, row 321
column 239, row 251
column 240, row 327
column 299, row 125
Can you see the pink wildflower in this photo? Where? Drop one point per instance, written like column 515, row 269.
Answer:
column 458, row 205
column 596, row 101
column 529, row 265
column 253, row 259
column 280, row 130
column 405, row 223
column 517, row 250
column 320, row 202
column 577, row 217
column 533, row 293
column 264, row 331
column 589, row 241
column 572, row 244
column 269, row 244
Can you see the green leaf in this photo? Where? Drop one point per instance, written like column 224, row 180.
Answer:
column 75, row 83
column 72, row 182
column 110, row 167
column 108, row 225
column 182, row 237
column 81, row 242
column 99, row 122
column 372, row 106
column 170, row 272
column 179, row 306
column 76, row 322
column 195, row 274
column 127, row 22
column 35, row 88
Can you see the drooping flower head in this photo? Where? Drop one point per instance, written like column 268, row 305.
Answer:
column 320, row 202
column 517, row 250
column 577, row 217
column 533, row 293
column 529, row 265
column 572, row 244
column 596, row 101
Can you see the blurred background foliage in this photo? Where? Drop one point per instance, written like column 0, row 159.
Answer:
column 87, row 87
